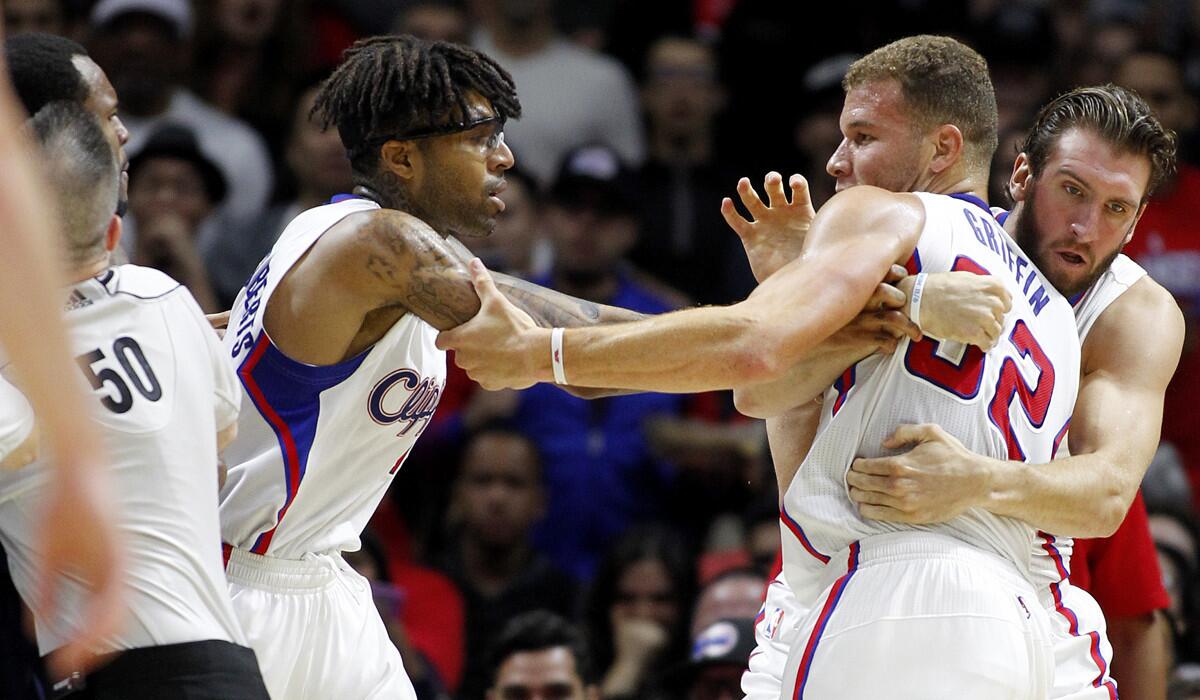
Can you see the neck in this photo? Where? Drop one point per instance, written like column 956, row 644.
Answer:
column 380, row 196
column 954, row 182
column 522, row 40
column 681, row 149
column 307, row 199
column 89, row 270
column 491, row 568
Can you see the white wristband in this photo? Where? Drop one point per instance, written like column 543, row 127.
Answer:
column 556, row 356
column 914, row 310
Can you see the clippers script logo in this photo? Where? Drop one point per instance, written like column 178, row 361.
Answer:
column 415, row 408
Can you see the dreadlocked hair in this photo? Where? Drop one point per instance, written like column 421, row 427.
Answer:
column 389, row 85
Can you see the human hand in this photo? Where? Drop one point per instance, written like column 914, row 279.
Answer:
column 775, row 234
column 495, row 347
column 77, row 534
column 937, row 480
column 166, row 237
column 962, row 307
column 637, row 639
column 880, row 326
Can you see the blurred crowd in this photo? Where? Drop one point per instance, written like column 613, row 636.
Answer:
column 647, row 524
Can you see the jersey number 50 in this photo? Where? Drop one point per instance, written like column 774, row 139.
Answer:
column 128, row 353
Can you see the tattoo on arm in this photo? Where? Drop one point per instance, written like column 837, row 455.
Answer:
column 550, row 308
column 412, row 267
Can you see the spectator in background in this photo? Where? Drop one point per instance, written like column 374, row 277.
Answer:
column 497, row 498
column 173, row 189
column 435, row 20
column 736, row 593
column 599, row 471
column 540, row 656
column 317, row 169
column 1167, row 242
column 24, row 16
column 144, row 45
column 817, row 132
column 719, row 654
column 249, row 58
column 569, row 95
column 637, row 610
column 517, row 246
column 763, row 539
column 684, row 241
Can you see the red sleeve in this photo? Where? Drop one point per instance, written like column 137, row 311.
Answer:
column 1124, row 575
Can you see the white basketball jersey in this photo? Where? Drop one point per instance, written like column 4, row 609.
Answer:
column 163, row 390
column 1116, row 280
column 318, row 446
column 16, row 418
column 1012, row 402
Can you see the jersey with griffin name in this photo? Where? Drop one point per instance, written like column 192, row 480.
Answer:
column 162, row 392
column 1011, row 402
column 318, row 446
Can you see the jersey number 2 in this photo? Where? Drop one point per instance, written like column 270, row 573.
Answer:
column 128, row 353
column 962, row 378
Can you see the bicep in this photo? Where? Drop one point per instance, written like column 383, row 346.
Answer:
column 1120, row 402
column 389, row 258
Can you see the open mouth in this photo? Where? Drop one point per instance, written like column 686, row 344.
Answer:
column 1071, row 258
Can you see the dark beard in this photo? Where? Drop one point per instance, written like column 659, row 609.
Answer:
column 1026, row 236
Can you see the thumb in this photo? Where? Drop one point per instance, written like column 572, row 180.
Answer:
column 482, row 280
column 908, row 435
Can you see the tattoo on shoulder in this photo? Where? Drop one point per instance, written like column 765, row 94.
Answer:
column 416, row 269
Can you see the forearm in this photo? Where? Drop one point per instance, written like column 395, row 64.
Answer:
column 1080, row 496
column 550, row 309
column 31, row 326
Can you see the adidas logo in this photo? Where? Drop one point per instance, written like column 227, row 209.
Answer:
column 76, row 301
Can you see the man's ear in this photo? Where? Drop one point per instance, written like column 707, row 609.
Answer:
column 1021, row 180
column 112, row 236
column 948, row 147
column 401, row 158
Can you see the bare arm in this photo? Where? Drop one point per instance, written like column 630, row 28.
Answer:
column 1113, row 435
column 851, row 246
column 550, row 309
column 1116, row 424
column 76, row 530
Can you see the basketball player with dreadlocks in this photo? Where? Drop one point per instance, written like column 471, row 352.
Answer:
column 333, row 339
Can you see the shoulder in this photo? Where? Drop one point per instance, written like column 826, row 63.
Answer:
column 1146, row 309
column 1143, row 325
column 864, row 209
column 140, row 282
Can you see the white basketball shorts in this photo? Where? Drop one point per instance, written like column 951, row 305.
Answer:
column 315, row 629
column 920, row 616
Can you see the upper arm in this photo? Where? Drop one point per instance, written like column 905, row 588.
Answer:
column 850, row 248
column 1128, row 360
column 389, row 258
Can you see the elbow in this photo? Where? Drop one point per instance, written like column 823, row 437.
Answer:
column 759, row 359
column 749, row 404
column 1109, row 514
